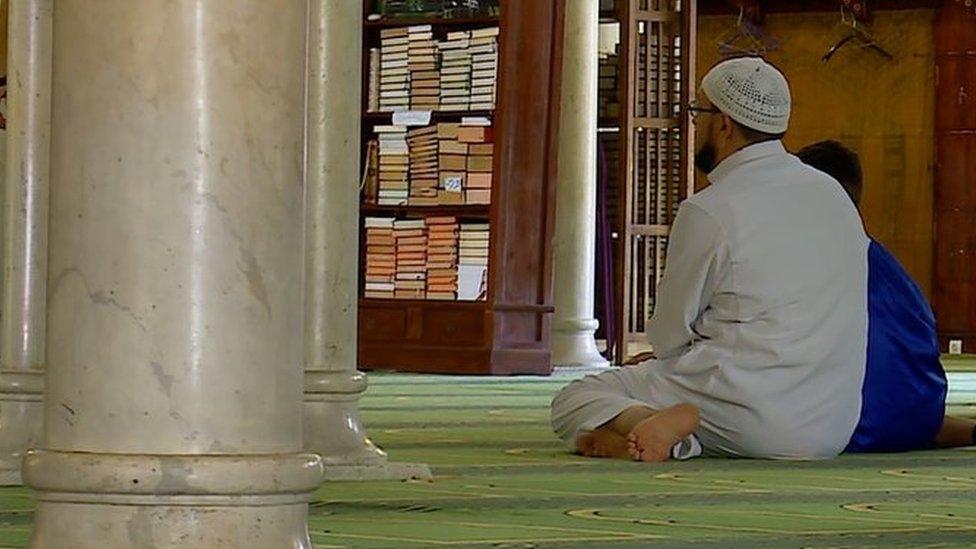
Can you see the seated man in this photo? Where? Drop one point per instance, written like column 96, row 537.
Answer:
column 904, row 391
column 760, row 329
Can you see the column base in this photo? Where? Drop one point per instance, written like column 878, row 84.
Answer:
column 111, row 501
column 94, row 526
column 573, row 344
column 21, row 419
column 334, row 430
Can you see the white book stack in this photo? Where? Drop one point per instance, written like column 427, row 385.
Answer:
column 484, row 68
column 472, row 261
column 394, row 70
column 455, row 85
column 394, row 166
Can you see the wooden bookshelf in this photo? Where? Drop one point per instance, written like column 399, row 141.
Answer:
column 507, row 332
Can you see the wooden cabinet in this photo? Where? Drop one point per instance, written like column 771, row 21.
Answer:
column 507, row 332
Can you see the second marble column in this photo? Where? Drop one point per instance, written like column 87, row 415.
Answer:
column 333, row 386
column 573, row 325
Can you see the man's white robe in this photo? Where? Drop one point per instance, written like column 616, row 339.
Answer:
column 761, row 317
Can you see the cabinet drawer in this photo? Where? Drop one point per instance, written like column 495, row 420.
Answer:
column 382, row 324
column 453, row 327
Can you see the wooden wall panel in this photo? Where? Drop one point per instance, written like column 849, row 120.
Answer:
column 885, row 111
column 955, row 184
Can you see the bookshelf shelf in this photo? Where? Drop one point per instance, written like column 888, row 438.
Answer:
column 435, row 116
column 458, row 23
column 465, row 211
column 444, row 304
column 414, row 253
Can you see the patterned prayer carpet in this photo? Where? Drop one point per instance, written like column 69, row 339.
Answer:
column 503, row 480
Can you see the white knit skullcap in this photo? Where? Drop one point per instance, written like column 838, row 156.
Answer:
column 752, row 92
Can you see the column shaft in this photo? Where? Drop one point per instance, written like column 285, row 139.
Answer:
column 173, row 405
column 332, row 383
column 25, row 214
column 575, row 232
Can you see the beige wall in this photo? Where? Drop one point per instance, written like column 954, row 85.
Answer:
column 882, row 110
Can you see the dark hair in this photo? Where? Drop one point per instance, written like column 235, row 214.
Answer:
column 755, row 136
column 837, row 161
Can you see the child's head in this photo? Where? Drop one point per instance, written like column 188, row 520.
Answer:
column 838, row 162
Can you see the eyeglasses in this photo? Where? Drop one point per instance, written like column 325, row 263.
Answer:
column 695, row 110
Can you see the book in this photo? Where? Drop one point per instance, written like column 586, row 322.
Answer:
column 483, row 32
column 479, row 163
column 477, row 196
column 448, row 130
column 395, row 32
column 451, row 162
column 378, row 222
column 479, row 180
column 472, row 134
column 408, row 224
column 481, row 148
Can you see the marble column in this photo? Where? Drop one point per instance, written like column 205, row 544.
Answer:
column 333, row 386
column 25, row 206
column 573, row 324
column 174, row 381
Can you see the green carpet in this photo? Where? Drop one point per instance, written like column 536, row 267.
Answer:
column 502, row 480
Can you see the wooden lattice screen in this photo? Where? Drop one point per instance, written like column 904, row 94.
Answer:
column 656, row 77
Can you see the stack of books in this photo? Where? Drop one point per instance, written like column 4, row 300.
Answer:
column 380, row 258
column 484, row 68
column 609, row 105
column 394, row 77
column 411, row 258
column 394, row 158
column 452, row 162
column 478, row 164
column 473, row 261
column 455, row 71
column 423, row 145
column 425, row 82
column 442, row 257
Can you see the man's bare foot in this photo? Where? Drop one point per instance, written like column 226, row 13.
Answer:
column 602, row 443
column 653, row 438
